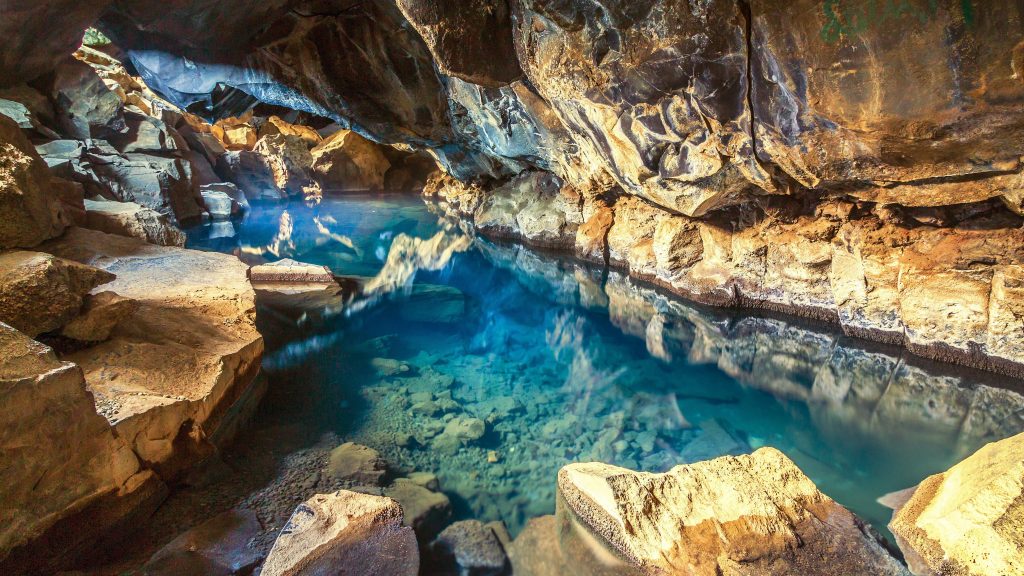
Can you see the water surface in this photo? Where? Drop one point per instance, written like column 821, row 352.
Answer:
column 493, row 366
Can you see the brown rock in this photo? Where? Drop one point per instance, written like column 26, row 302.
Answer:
column 755, row 514
column 236, row 133
column 347, row 162
column 217, row 547
column 356, row 464
column 40, row 293
column 969, row 519
column 343, row 533
column 275, row 125
column 28, row 215
column 101, row 313
column 424, row 510
column 132, row 220
column 59, row 501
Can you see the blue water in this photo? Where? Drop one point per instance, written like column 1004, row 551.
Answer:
column 493, row 366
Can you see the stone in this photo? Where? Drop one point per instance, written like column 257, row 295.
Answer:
column 290, row 164
column 145, row 133
column 458, row 432
column 85, row 107
column 967, row 520
column 252, row 173
column 217, row 547
column 751, row 514
column 425, row 509
column 85, row 485
column 41, row 293
column 100, row 314
column 335, row 534
column 132, row 220
column 472, row 41
column 288, row 270
column 357, row 465
column 218, row 204
column 533, row 207
column 23, row 60
column 275, row 125
column 28, row 215
column 176, row 381
column 469, row 548
column 347, row 162
column 236, row 133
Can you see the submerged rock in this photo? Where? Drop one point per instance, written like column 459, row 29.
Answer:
column 217, row 547
column 468, row 548
column 968, row 520
column 345, row 533
column 41, row 293
column 755, row 514
column 424, row 509
column 356, row 465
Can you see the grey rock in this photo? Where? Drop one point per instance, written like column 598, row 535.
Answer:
column 469, row 548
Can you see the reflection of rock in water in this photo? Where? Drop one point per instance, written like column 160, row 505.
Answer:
column 855, row 396
column 408, row 256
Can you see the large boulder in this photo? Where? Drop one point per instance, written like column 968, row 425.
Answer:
column 290, row 162
column 345, row 533
column 968, row 520
column 86, row 108
column 132, row 220
column 752, row 514
column 41, row 293
column 28, row 214
column 276, row 125
column 161, row 183
column 174, row 382
column 346, row 162
column 60, row 500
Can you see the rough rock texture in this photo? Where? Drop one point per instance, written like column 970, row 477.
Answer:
column 345, row 533
column 85, row 107
column 217, row 547
column 347, row 162
column 32, row 44
column 40, row 293
column 28, row 215
column 424, row 510
column 132, row 220
column 99, row 315
column 289, row 270
column 469, row 548
column 471, row 41
column 755, row 514
column 171, row 380
column 969, row 519
column 87, row 481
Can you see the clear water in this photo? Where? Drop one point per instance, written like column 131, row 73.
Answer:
column 562, row 363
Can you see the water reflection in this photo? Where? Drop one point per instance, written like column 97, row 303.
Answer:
column 493, row 366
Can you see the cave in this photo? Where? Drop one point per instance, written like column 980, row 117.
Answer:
column 512, row 287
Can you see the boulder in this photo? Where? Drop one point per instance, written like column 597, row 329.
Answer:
column 345, row 533
column 752, row 514
column 176, row 380
column 356, row 465
column 217, row 547
column 290, row 162
column 533, row 207
column 28, row 214
column 146, row 133
column 459, row 432
column 85, row 107
column 101, row 313
column 252, row 173
column 347, row 162
column 469, row 548
column 969, row 519
column 424, row 509
column 86, row 483
column 275, row 125
column 236, row 133
column 40, row 293
column 132, row 220
column 220, row 205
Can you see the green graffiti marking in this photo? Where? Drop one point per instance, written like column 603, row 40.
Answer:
column 852, row 17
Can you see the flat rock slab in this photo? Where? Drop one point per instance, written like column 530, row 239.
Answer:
column 290, row 271
column 168, row 378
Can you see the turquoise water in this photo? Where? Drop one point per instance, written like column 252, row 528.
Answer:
column 492, row 366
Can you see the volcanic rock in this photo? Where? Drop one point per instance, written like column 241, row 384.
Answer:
column 347, row 162
column 132, row 220
column 28, row 214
